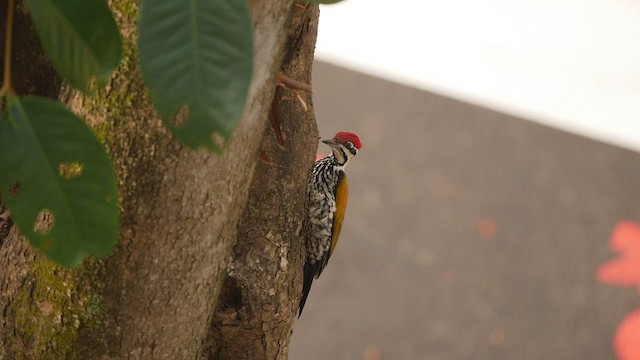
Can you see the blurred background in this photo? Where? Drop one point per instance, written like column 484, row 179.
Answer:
column 493, row 210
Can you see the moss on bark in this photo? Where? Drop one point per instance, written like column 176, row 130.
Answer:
column 52, row 309
column 155, row 296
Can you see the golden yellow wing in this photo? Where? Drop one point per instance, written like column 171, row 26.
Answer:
column 342, row 195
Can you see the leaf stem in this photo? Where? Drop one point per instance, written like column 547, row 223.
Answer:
column 6, row 81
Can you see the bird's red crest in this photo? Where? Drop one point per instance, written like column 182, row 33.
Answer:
column 345, row 136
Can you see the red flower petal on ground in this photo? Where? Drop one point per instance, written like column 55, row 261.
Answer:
column 624, row 270
column 486, row 228
column 627, row 341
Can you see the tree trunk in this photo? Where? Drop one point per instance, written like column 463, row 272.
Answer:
column 191, row 221
column 256, row 313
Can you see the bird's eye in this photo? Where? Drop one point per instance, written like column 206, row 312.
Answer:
column 352, row 149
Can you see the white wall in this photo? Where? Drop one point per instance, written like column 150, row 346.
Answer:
column 567, row 63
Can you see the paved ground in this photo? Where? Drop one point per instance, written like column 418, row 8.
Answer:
column 469, row 234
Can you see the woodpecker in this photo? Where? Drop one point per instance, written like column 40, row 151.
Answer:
column 327, row 192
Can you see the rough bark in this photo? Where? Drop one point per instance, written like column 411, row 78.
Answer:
column 256, row 313
column 181, row 214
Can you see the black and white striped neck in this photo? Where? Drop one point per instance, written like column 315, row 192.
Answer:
column 337, row 166
column 342, row 154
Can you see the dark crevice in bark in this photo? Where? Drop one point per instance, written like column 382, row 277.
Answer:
column 5, row 222
column 231, row 296
column 32, row 73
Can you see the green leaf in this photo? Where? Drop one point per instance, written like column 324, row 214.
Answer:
column 80, row 37
column 53, row 168
column 196, row 56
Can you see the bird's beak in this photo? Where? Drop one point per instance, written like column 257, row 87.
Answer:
column 331, row 142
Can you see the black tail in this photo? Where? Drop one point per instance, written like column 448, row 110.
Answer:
column 309, row 273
